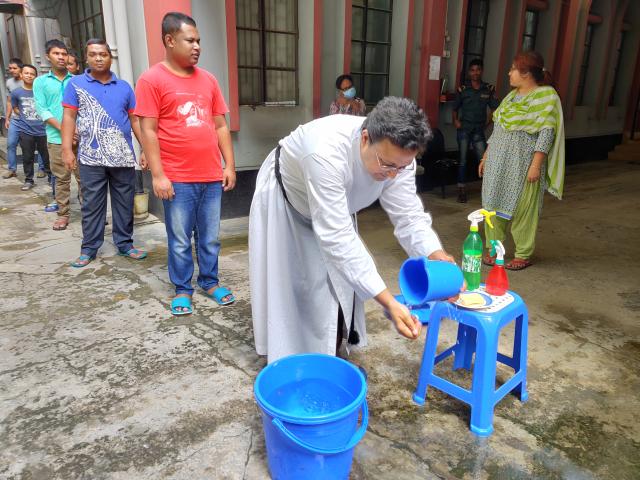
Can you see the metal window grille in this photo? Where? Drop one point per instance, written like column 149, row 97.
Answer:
column 267, row 51
column 371, row 48
column 87, row 22
column 616, row 71
column 475, row 34
column 531, row 18
column 584, row 66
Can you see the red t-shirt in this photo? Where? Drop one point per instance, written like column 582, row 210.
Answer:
column 184, row 107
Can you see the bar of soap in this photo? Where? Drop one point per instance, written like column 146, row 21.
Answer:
column 471, row 300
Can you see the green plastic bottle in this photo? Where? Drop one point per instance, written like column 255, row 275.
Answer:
column 472, row 249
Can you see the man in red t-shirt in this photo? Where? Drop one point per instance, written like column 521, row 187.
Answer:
column 185, row 137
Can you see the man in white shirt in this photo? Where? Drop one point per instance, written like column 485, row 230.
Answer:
column 310, row 271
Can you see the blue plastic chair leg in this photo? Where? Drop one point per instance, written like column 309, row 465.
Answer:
column 520, row 355
column 484, row 375
column 466, row 347
column 428, row 359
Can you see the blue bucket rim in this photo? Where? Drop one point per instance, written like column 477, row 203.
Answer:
column 315, row 419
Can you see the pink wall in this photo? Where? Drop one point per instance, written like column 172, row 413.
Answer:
column 154, row 10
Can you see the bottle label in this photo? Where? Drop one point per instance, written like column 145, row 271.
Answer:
column 471, row 263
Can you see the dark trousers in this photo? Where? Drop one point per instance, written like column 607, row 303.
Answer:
column 29, row 144
column 94, row 182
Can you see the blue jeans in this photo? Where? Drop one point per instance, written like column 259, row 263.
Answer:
column 477, row 139
column 13, row 138
column 95, row 181
column 196, row 206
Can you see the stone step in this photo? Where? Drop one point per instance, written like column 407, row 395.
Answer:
column 624, row 156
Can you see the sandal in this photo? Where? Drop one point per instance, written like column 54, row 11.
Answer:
column 135, row 253
column 219, row 293
column 489, row 259
column 82, row 261
column 61, row 223
column 518, row 264
column 181, row 306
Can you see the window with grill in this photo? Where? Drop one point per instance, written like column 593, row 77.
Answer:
column 475, row 34
column 86, row 22
column 584, row 66
column 616, row 71
column 530, row 30
column 267, row 51
column 371, row 48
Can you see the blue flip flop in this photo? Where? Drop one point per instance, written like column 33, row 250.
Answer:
column 52, row 207
column 181, row 302
column 135, row 253
column 82, row 261
column 219, row 293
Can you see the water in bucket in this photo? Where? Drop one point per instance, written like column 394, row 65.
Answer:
column 311, row 405
column 311, row 397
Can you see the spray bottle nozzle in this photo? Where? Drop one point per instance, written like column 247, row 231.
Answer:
column 498, row 250
column 477, row 216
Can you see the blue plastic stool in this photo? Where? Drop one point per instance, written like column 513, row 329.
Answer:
column 477, row 331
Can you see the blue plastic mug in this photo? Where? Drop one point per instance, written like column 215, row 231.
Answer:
column 423, row 280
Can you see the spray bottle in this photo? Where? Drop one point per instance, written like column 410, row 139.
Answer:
column 472, row 248
column 497, row 282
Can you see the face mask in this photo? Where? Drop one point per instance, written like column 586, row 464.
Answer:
column 349, row 93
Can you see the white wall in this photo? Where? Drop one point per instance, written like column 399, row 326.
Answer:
column 137, row 38
column 332, row 50
column 399, row 18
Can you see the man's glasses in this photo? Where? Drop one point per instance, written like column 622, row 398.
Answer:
column 385, row 167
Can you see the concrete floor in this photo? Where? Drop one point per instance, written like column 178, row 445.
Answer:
column 98, row 381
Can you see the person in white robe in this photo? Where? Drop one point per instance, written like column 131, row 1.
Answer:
column 310, row 271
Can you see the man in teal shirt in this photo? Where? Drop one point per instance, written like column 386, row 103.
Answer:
column 47, row 91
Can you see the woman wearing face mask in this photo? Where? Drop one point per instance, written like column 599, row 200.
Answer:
column 346, row 101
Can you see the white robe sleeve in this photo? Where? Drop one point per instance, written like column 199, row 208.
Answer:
column 334, row 229
column 412, row 225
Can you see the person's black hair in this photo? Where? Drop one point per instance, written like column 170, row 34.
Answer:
column 478, row 62
column 25, row 65
column 172, row 22
column 15, row 61
column 75, row 55
column 400, row 121
column 97, row 41
column 54, row 43
column 342, row 78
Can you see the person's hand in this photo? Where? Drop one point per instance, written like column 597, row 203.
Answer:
column 144, row 165
column 458, row 124
column 441, row 255
column 481, row 166
column 406, row 324
column 69, row 160
column 7, row 122
column 163, row 188
column 533, row 175
column 228, row 179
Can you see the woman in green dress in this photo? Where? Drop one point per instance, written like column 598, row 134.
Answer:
column 524, row 157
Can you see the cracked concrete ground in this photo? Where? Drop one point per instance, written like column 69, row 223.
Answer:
column 98, row 381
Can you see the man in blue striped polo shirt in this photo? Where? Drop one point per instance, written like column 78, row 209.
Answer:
column 100, row 106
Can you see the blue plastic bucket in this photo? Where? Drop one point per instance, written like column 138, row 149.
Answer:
column 423, row 280
column 310, row 407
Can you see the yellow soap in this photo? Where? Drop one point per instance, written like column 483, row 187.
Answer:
column 471, row 300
